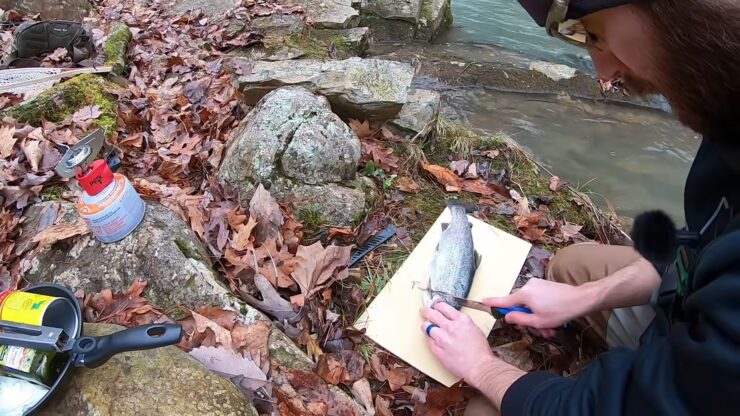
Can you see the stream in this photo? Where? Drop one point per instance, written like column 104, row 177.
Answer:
column 629, row 158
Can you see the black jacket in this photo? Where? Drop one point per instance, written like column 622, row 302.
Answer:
column 690, row 364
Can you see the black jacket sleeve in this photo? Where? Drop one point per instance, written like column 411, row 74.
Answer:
column 694, row 369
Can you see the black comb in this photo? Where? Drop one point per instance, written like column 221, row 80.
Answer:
column 372, row 244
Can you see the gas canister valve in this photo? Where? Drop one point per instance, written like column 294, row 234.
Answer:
column 109, row 204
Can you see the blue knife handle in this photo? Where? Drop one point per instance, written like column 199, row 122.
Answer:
column 500, row 313
column 514, row 309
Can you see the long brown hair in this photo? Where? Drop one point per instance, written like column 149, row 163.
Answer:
column 700, row 59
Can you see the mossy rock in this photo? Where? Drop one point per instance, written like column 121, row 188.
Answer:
column 60, row 101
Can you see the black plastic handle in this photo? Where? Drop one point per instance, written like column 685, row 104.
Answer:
column 93, row 352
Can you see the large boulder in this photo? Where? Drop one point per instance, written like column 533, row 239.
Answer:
column 361, row 88
column 435, row 16
column 51, row 10
column 329, row 14
column 294, row 145
column 163, row 250
column 419, row 115
column 162, row 381
column 323, row 44
column 393, row 20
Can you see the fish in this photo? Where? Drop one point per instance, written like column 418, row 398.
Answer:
column 454, row 262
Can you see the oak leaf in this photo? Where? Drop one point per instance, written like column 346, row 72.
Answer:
column 444, row 176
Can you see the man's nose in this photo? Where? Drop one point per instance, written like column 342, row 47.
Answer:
column 607, row 65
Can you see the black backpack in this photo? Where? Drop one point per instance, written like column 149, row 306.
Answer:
column 34, row 39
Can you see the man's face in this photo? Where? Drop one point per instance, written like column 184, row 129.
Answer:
column 623, row 49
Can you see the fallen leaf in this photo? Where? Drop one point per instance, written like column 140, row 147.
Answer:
column 60, row 232
column 381, row 155
column 459, row 166
column 439, row 400
column 129, row 308
column 312, row 346
column 556, row 184
column 230, row 364
column 342, row 367
column 406, row 184
column 399, row 377
column 7, row 141
column 271, row 303
column 242, row 233
column 472, row 171
column 222, row 317
column 266, row 211
column 517, row 354
column 528, row 226
column 336, row 232
column 492, row 154
column 88, row 112
column 252, row 339
column 417, row 394
column 478, row 186
column 570, row 230
column 222, row 335
column 317, row 267
column 58, row 55
column 363, row 394
column 382, row 407
column 362, row 128
column 444, row 176
column 32, row 150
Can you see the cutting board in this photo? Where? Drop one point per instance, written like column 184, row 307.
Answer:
column 393, row 321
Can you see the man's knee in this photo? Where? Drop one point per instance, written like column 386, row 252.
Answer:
column 564, row 266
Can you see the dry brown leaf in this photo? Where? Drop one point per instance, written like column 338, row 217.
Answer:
column 528, row 226
column 340, row 232
column 7, row 141
column 417, row 394
column 516, row 354
column 341, row 367
column 363, row 394
column 570, row 231
column 89, row 112
column 266, row 211
column 406, row 184
column 317, row 267
column 222, row 335
column 399, row 377
column 382, row 407
column 236, row 218
column 444, row 176
column 556, row 183
column 271, row 302
column 232, row 365
column 381, row 156
column 492, row 154
column 251, row 339
column 312, row 346
column 362, row 128
column 242, row 233
column 59, row 232
column 459, row 166
column 32, row 150
column 478, row 186
column 222, row 317
column 439, row 400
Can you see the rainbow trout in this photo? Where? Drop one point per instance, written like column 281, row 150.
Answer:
column 454, row 262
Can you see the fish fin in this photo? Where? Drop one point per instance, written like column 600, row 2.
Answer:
column 444, row 226
column 478, row 259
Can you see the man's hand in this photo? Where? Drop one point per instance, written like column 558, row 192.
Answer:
column 458, row 343
column 463, row 349
column 552, row 304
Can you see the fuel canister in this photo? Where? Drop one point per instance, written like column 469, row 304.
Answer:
column 110, row 205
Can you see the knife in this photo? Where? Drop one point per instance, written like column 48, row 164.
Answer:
column 498, row 313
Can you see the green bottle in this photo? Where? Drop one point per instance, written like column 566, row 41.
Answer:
column 41, row 367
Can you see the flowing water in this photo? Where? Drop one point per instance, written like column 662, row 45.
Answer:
column 634, row 158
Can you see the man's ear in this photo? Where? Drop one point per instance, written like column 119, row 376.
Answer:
column 654, row 236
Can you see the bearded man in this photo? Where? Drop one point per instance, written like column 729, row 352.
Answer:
column 669, row 308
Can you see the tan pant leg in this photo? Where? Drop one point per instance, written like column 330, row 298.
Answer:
column 582, row 263
column 480, row 406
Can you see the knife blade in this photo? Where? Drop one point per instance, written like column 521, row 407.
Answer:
column 498, row 313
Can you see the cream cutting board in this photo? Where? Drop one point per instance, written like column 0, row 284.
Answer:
column 393, row 320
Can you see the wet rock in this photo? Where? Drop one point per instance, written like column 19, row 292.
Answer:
column 362, row 88
column 330, row 14
column 163, row 250
column 293, row 144
column 555, row 72
column 280, row 23
column 173, row 383
column 419, row 115
column 354, row 41
column 393, row 20
column 210, row 8
column 435, row 16
column 51, row 10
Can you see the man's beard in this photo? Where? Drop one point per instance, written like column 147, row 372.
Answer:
column 634, row 85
